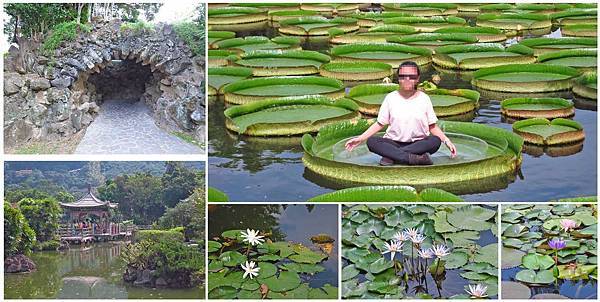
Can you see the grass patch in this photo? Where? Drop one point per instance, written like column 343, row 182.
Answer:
column 192, row 35
column 137, row 27
column 62, row 32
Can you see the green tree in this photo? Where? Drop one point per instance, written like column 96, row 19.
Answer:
column 14, row 196
column 43, row 216
column 188, row 214
column 178, row 182
column 64, row 197
column 19, row 238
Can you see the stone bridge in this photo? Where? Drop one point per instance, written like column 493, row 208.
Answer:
column 55, row 97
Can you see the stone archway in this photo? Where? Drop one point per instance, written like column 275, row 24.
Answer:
column 56, row 98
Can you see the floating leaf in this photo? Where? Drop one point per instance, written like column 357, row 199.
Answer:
column 537, row 261
column 232, row 258
column 213, row 246
column 303, row 268
column 474, row 276
column 463, row 238
column 488, row 254
column 220, row 279
column 549, row 296
column 266, row 270
column 532, row 277
column 372, row 225
column 511, row 217
column 515, row 290
column 471, row 217
column 515, row 230
column 352, row 288
column 269, row 257
column 511, row 257
column 349, row 272
column 326, row 292
column 308, row 256
column 513, row 242
column 455, row 260
column 441, row 224
column 250, row 284
column 284, row 282
column 380, row 265
column 233, row 234
column 575, row 273
column 226, row 292
column 436, row 269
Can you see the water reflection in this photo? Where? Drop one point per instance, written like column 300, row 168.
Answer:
column 582, row 289
column 83, row 273
column 295, row 223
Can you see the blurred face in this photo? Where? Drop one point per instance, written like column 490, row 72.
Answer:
column 408, row 77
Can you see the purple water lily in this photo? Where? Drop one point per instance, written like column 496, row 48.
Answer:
column 557, row 244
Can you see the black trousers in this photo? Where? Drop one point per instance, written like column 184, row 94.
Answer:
column 398, row 151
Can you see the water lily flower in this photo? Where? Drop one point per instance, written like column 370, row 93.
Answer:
column 418, row 238
column 401, row 236
column 557, row 244
column 440, row 250
column 411, row 232
column 477, row 291
column 250, row 270
column 425, row 253
column 568, row 224
column 251, row 236
column 393, row 247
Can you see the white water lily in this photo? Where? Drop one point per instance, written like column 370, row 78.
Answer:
column 478, row 291
column 251, row 236
column 425, row 253
column 401, row 236
column 250, row 270
column 393, row 247
column 440, row 250
column 418, row 238
column 411, row 232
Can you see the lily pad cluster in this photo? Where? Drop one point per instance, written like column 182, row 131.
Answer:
column 246, row 265
column 549, row 244
column 397, row 252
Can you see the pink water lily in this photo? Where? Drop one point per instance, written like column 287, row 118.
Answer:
column 568, row 224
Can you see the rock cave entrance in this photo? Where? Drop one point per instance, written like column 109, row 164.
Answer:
column 125, row 80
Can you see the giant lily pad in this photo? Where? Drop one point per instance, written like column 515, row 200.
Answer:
column 316, row 25
column 221, row 76
column 423, row 9
column 537, row 107
column 525, row 78
column 523, row 21
column 540, row 131
column 433, row 40
column 280, row 15
column 356, row 71
column 288, row 116
column 253, row 43
column 580, row 30
column 545, row 45
column 375, row 34
column 215, row 35
column 370, row 96
column 427, row 24
column 251, row 90
column 453, row 102
column 476, row 56
column 587, row 86
column 283, row 62
column 390, row 53
column 576, row 16
column 483, row 34
column 487, row 152
column 234, row 18
column 582, row 59
column 385, row 193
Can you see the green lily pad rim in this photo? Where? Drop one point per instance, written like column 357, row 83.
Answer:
column 460, row 37
column 284, row 80
column 545, row 68
column 215, row 12
column 506, row 104
column 588, row 78
column 518, row 16
column 580, row 27
column 542, row 121
column 370, row 89
column 420, row 5
column 536, row 42
column 378, row 16
column 230, row 71
column 299, row 12
column 497, row 6
column 472, row 95
column 221, row 53
column 470, row 30
column 484, row 47
column 375, row 66
column 536, row 6
column 575, row 12
column 317, row 19
column 387, row 194
column 267, row 4
column 221, row 34
column 248, row 108
column 360, row 47
column 567, row 53
column 426, row 20
column 506, row 141
column 251, row 40
column 393, row 28
column 282, row 53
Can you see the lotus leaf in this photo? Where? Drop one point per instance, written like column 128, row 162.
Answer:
column 471, row 218
column 533, row 277
column 537, row 261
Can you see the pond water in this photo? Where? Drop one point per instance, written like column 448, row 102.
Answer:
column 95, row 273
column 295, row 223
column 271, row 169
column 582, row 289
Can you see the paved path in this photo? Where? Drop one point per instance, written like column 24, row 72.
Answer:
column 124, row 127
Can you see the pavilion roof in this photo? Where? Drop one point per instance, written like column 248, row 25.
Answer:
column 88, row 201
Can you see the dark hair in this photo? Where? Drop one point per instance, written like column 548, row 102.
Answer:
column 409, row 64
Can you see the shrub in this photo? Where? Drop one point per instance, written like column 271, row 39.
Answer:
column 159, row 235
column 50, row 245
column 192, row 35
column 19, row 238
column 62, row 32
column 43, row 216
